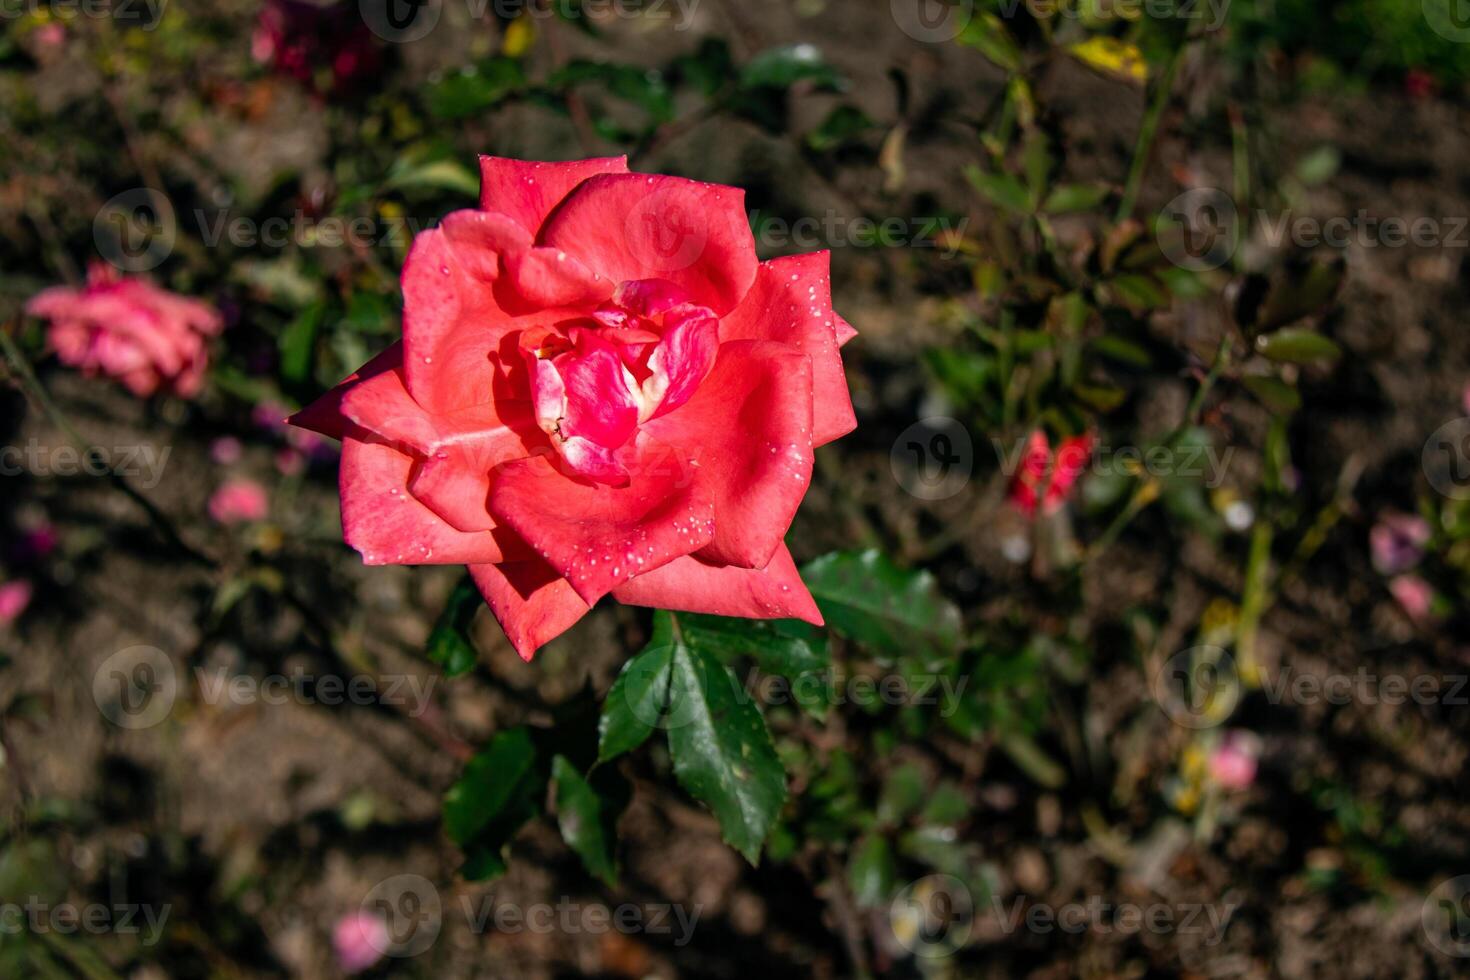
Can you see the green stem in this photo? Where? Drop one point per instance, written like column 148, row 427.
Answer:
column 1146, row 133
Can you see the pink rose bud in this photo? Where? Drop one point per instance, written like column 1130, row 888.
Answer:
column 239, row 501
column 1415, row 595
column 360, row 940
column 1397, row 542
column 148, row 338
column 14, row 598
column 1233, row 763
column 1045, row 479
column 226, row 450
column 655, row 393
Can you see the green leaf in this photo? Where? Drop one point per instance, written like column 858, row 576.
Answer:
column 1000, row 189
column 1274, row 393
column 783, row 67
column 445, row 175
column 1139, row 292
column 639, row 696
column 785, row 648
column 1296, row 346
column 842, row 124
column 1066, row 198
column 501, row 788
column 475, row 89
column 945, row 807
column 892, row 610
column 987, row 34
column 870, row 872
column 903, row 792
column 298, row 340
column 1123, row 351
column 721, row 749
column 587, row 818
column 449, row 642
column 643, row 87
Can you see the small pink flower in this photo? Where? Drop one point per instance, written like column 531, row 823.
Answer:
column 226, row 450
column 129, row 329
column 14, row 598
column 239, row 501
column 1044, row 479
column 360, row 940
column 37, row 543
column 1233, row 763
column 1415, row 595
column 50, row 36
column 290, row 462
column 1397, row 542
column 1418, row 84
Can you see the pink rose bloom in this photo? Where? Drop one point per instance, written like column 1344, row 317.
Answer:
column 14, row 598
column 1415, row 595
column 1233, row 763
column 146, row 337
column 239, row 501
column 360, row 940
column 226, row 450
column 1044, row 480
column 600, row 391
column 50, row 36
column 1397, row 542
column 296, row 37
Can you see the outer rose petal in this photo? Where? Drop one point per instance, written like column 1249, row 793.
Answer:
column 325, row 414
column 532, row 603
column 845, row 331
column 690, row 585
column 748, row 428
column 632, row 226
column 791, row 301
column 451, row 320
column 599, row 536
column 528, row 190
column 540, row 277
column 384, row 522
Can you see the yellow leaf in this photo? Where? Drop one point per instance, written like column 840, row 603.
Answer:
column 519, row 37
column 1113, row 57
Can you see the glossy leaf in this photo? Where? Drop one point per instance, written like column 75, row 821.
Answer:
column 1296, row 346
column 449, row 643
column 890, row 609
column 587, row 818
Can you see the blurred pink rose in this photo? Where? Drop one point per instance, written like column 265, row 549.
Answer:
column 360, row 940
column 270, row 416
column 1397, row 542
column 1233, row 763
column 297, row 37
column 146, row 337
column 14, row 597
column 290, row 462
column 226, row 450
column 1414, row 594
column 239, row 501
column 50, row 36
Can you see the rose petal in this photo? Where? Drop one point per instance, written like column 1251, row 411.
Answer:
column 632, row 226
column 597, row 536
column 791, row 302
column 325, row 414
column 388, row 526
column 690, row 585
column 548, row 277
column 528, row 190
column 532, row 603
column 748, row 429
